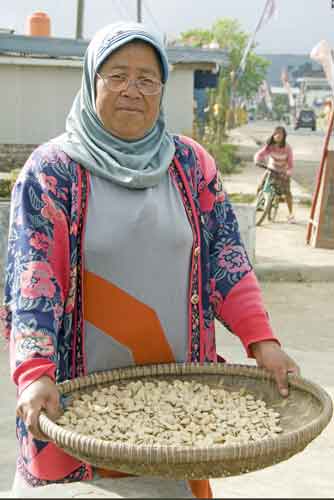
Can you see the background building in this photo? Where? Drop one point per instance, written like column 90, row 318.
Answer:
column 39, row 78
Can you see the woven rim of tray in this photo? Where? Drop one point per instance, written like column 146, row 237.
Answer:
column 93, row 447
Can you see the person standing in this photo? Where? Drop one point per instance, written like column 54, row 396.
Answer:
column 123, row 250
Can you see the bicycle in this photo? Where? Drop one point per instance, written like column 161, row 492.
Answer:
column 269, row 196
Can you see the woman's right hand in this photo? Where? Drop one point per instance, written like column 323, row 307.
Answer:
column 39, row 395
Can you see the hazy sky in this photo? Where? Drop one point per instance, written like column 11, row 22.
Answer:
column 298, row 26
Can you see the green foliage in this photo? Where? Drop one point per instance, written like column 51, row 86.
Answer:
column 255, row 73
column 280, row 106
column 5, row 188
column 196, row 37
column 225, row 156
column 229, row 34
column 7, row 184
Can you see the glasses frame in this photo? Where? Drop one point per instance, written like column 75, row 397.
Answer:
column 129, row 81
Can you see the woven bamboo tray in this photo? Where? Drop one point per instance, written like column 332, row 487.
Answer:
column 304, row 414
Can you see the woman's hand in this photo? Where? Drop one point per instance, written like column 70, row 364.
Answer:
column 40, row 395
column 269, row 355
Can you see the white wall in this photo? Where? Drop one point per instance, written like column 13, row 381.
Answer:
column 36, row 96
column 34, row 101
column 179, row 101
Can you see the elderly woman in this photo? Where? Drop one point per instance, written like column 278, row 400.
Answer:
column 123, row 249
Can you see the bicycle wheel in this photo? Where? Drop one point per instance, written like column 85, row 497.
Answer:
column 263, row 205
column 273, row 208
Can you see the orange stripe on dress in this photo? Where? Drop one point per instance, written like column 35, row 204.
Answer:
column 135, row 325
column 126, row 319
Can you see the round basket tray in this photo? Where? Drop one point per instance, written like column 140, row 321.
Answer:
column 304, row 414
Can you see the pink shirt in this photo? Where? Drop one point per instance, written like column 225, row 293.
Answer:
column 280, row 159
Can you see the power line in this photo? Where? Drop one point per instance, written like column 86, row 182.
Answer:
column 139, row 11
column 155, row 22
column 80, row 19
column 122, row 11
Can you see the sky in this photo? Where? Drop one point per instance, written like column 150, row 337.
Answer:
column 297, row 27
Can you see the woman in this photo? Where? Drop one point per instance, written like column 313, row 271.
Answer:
column 121, row 235
column 280, row 158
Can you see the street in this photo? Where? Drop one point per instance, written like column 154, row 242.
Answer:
column 303, row 318
column 306, row 145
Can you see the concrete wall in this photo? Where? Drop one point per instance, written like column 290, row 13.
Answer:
column 36, row 96
column 247, row 223
column 35, row 101
column 4, row 225
column 14, row 155
column 179, row 101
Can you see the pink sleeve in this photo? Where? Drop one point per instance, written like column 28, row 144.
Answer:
column 244, row 312
column 31, row 370
column 290, row 160
column 262, row 154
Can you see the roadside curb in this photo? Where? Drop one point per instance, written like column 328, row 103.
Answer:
column 306, row 274
column 246, row 153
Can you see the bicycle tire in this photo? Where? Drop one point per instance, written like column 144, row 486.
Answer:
column 263, row 206
column 273, row 208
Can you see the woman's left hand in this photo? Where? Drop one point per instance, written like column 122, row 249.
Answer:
column 269, row 355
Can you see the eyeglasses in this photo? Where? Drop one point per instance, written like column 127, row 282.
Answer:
column 117, row 83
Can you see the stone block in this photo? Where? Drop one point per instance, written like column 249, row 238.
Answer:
column 4, row 225
column 245, row 214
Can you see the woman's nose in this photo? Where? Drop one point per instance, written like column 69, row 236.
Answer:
column 131, row 89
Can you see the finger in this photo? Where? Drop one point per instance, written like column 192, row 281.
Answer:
column 294, row 370
column 281, row 378
column 19, row 412
column 33, row 425
column 53, row 410
column 31, row 421
column 259, row 364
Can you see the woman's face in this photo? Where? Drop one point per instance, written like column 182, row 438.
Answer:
column 129, row 114
column 278, row 136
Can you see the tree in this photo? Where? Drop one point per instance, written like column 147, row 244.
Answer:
column 280, row 106
column 228, row 34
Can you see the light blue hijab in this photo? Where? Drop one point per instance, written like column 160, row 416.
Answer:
column 134, row 164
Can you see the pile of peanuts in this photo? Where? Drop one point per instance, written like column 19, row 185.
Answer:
column 177, row 413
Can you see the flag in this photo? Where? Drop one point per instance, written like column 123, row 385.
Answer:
column 268, row 12
column 264, row 92
column 322, row 53
column 286, row 85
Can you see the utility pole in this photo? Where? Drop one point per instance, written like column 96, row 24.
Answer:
column 139, row 11
column 80, row 18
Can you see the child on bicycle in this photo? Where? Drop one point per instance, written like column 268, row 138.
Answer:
column 280, row 158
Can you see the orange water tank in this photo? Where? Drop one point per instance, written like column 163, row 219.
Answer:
column 39, row 24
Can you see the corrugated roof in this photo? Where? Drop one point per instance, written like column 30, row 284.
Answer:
column 68, row 48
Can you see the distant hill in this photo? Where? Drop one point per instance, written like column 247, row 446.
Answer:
column 280, row 61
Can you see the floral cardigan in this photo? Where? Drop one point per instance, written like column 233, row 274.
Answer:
column 43, row 312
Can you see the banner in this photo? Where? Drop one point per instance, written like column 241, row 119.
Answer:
column 322, row 53
column 268, row 12
column 286, row 85
column 265, row 93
